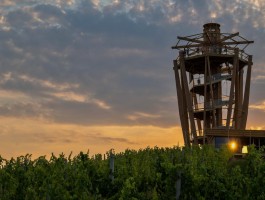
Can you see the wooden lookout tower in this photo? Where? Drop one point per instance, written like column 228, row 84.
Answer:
column 213, row 74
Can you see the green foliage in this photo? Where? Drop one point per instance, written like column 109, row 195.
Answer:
column 146, row 174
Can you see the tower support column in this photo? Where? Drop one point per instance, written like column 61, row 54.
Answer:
column 182, row 108
column 188, row 97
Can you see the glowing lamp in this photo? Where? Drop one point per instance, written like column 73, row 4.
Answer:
column 233, row 145
column 245, row 149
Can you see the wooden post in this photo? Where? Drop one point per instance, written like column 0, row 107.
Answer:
column 205, row 97
column 246, row 95
column 232, row 90
column 181, row 107
column 195, row 101
column 211, row 92
column 188, row 96
column 237, row 94
column 240, row 99
column 199, row 125
column 185, row 111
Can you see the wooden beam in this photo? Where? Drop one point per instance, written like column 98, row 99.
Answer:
column 186, row 46
column 222, row 44
column 246, row 95
column 199, row 125
column 232, row 88
column 240, row 98
column 205, row 97
column 238, row 42
column 194, row 97
column 185, row 108
column 236, row 133
column 190, row 39
column 229, row 37
column 211, row 91
column 237, row 93
column 184, row 126
column 188, row 96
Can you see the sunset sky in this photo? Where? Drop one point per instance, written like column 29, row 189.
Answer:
column 97, row 74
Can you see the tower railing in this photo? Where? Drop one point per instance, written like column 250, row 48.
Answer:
column 216, row 103
column 214, row 78
column 214, row 50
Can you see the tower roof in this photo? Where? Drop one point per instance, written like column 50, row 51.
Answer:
column 211, row 25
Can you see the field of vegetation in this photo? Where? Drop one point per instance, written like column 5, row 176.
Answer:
column 151, row 173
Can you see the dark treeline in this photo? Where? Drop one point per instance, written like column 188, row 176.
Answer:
column 151, row 173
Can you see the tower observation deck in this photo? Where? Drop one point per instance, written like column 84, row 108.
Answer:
column 213, row 74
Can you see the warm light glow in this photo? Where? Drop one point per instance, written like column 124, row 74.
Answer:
column 244, row 149
column 233, row 145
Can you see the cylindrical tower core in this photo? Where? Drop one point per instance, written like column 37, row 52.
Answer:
column 211, row 33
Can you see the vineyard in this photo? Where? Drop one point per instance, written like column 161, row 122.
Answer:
column 151, row 173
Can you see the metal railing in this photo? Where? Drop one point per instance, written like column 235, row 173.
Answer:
column 211, row 50
column 216, row 103
column 214, row 78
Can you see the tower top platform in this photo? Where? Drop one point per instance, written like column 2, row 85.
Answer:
column 214, row 43
column 212, row 37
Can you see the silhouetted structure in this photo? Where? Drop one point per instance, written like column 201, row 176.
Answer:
column 213, row 75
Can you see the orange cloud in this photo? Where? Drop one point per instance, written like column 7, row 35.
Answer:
column 139, row 115
column 37, row 137
column 260, row 106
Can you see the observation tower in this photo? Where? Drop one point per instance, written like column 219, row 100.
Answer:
column 213, row 74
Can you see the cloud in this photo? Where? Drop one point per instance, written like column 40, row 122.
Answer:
column 260, row 106
column 34, row 97
column 25, row 110
column 41, row 138
column 71, row 56
column 153, row 10
column 108, row 63
column 75, row 97
column 259, row 78
column 45, row 57
column 139, row 115
column 46, row 83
